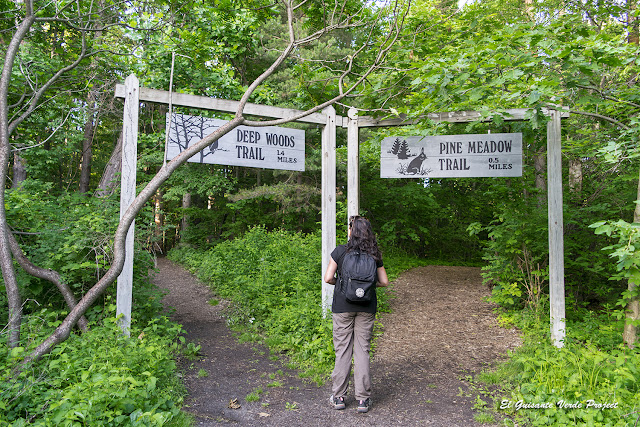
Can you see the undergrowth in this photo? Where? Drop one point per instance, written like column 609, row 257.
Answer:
column 274, row 280
column 97, row 378
column 594, row 380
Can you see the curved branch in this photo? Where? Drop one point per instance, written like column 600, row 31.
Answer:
column 46, row 274
column 63, row 331
column 600, row 116
column 610, row 98
column 36, row 97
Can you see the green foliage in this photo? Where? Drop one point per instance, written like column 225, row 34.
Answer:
column 97, row 378
column 580, row 375
column 254, row 396
column 73, row 234
column 273, row 279
column 516, row 257
column 593, row 367
column 626, row 252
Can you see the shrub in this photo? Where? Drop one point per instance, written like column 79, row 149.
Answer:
column 567, row 385
column 97, row 378
column 274, row 280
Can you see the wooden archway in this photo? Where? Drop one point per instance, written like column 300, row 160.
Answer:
column 133, row 95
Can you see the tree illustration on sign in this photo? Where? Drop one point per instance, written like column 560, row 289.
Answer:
column 403, row 152
column 400, row 148
column 186, row 128
column 396, row 146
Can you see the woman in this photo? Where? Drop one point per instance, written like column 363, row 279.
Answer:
column 353, row 323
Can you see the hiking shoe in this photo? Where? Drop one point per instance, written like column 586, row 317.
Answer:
column 337, row 402
column 364, row 405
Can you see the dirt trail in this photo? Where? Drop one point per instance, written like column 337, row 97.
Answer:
column 439, row 330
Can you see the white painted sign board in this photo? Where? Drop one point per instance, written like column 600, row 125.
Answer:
column 452, row 156
column 267, row 147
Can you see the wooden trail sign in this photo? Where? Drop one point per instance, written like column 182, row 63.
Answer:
column 452, row 156
column 267, row 147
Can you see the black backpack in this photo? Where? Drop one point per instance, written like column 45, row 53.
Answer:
column 358, row 277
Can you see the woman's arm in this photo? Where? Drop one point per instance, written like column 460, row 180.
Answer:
column 330, row 274
column 383, row 280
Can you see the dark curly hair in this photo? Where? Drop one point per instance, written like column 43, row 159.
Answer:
column 362, row 237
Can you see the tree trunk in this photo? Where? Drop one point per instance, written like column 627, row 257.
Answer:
column 109, row 182
column 14, row 298
column 630, row 333
column 186, row 204
column 158, row 216
column 87, row 142
column 539, row 164
column 19, row 170
column 158, row 205
column 8, row 270
column 632, row 23
column 575, row 175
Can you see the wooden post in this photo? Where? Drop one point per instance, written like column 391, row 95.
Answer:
column 353, row 164
column 127, row 194
column 328, row 201
column 556, row 243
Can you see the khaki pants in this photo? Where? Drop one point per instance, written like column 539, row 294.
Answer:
column 352, row 338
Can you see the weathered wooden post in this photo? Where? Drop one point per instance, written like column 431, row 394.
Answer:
column 353, row 164
column 556, row 243
column 328, row 200
column 127, row 194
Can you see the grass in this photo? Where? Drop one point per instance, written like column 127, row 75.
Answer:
column 254, row 396
column 593, row 368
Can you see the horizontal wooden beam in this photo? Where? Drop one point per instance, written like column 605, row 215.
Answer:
column 224, row 105
column 451, row 117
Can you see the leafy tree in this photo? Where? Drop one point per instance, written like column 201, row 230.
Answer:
column 350, row 80
column 490, row 56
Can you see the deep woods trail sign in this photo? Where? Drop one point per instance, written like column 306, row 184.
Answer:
column 452, row 156
column 259, row 147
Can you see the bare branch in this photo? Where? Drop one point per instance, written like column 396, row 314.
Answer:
column 600, row 116
column 610, row 98
column 46, row 274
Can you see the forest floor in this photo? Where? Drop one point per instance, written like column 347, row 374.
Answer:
column 440, row 332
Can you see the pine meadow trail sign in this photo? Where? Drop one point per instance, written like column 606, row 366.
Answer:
column 452, row 156
column 267, row 147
